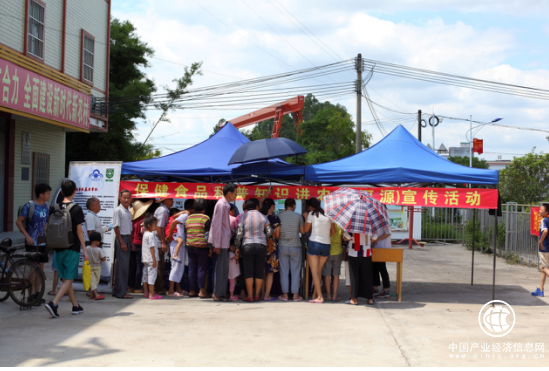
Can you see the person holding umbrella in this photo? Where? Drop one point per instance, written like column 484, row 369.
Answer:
column 318, row 249
column 361, row 215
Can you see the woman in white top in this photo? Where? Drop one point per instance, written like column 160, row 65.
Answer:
column 318, row 249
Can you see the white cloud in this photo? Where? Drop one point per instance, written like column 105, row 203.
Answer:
column 183, row 32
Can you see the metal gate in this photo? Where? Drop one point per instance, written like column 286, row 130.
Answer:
column 442, row 225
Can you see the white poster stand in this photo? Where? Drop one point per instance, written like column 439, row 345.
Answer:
column 100, row 180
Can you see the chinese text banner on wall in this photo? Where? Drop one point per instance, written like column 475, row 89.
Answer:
column 426, row 197
column 28, row 92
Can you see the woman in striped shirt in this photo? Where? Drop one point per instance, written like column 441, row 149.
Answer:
column 196, row 226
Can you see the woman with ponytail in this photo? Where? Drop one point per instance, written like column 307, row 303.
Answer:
column 318, row 249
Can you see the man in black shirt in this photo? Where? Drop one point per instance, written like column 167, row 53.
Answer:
column 67, row 259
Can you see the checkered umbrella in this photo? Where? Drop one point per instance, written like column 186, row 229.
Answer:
column 357, row 212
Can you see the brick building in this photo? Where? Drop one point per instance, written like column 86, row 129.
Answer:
column 54, row 63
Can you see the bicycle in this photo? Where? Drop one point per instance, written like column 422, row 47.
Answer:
column 20, row 277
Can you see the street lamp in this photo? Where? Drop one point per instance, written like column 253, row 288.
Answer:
column 478, row 127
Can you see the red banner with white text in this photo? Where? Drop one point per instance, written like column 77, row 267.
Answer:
column 427, row 197
column 535, row 221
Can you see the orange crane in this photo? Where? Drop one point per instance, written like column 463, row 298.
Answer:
column 276, row 111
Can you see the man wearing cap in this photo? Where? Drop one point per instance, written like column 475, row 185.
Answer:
column 162, row 214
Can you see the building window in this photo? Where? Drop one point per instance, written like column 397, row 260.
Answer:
column 40, row 169
column 88, row 50
column 35, row 36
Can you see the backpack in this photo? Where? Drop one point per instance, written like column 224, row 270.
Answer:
column 31, row 211
column 59, row 233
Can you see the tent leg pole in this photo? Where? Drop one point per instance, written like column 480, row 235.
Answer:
column 473, row 247
column 411, row 234
column 495, row 247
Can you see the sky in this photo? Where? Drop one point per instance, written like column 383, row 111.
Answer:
column 503, row 40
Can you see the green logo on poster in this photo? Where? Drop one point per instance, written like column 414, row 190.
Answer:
column 110, row 175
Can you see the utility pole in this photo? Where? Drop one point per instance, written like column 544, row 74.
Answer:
column 358, row 65
column 419, row 125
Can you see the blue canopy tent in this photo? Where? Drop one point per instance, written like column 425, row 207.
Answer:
column 398, row 158
column 207, row 162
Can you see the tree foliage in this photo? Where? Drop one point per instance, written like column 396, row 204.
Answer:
column 525, row 180
column 477, row 162
column 328, row 132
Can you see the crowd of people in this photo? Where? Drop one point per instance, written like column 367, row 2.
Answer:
column 251, row 256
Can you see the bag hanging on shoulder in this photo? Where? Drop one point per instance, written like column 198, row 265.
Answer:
column 59, row 234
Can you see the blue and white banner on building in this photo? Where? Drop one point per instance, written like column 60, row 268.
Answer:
column 100, row 180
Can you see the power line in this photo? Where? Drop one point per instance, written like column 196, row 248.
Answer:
column 275, row 31
column 455, row 80
column 244, row 37
column 282, row 6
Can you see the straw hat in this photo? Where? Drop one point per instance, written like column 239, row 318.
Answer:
column 139, row 208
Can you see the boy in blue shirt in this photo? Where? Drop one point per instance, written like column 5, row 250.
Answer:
column 543, row 251
column 35, row 228
column 36, row 224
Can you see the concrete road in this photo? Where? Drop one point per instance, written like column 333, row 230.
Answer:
column 439, row 308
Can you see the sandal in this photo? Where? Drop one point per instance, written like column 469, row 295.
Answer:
column 249, row 300
column 156, row 297
column 193, row 296
column 100, row 297
column 299, row 298
column 282, row 298
column 336, row 300
column 372, row 303
column 176, row 294
column 127, row 296
column 316, row 301
column 350, row 303
column 205, row 296
column 257, row 299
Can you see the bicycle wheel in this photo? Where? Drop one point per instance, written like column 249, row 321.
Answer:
column 4, row 291
column 26, row 283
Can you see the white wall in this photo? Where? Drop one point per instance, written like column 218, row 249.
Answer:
column 13, row 24
column 90, row 15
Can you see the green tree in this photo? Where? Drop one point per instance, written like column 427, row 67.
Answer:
column 525, row 180
column 477, row 162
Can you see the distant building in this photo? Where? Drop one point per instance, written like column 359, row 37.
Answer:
column 461, row 151
column 54, row 64
column 442, row 150
column 499, row 164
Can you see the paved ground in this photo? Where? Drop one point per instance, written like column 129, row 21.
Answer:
column 439, row 308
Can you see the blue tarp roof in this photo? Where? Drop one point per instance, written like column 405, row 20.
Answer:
column 205, row 160
column 398, row 158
